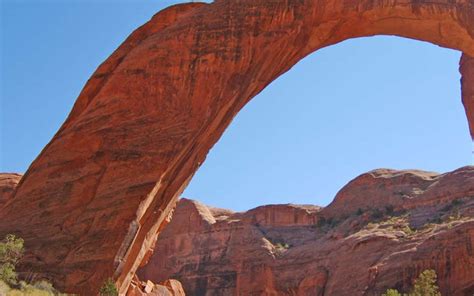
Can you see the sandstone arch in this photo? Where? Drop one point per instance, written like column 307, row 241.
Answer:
column 91, row 204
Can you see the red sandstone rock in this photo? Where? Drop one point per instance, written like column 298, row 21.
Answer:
column 90, row 206
column 166, row 288
column 283, row 250
column 175, row 287
column 8, row 184
column 379, row 188
column 467, row 82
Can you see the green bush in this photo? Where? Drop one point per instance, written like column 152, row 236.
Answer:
column 41, row 288
column 408, row 230
column 26, row 289
column 108, row 288
column 457, row 202
column 391, row 292
column 282, row 246
column 11, row 250
column 8, row 274
column 425, row 285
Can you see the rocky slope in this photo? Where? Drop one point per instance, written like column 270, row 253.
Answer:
column 381, row 231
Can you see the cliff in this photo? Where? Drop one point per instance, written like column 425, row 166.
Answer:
column 380, row 232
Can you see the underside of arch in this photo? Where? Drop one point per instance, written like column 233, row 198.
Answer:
column 93, row 202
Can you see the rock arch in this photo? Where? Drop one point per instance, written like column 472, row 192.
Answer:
column 90, row 206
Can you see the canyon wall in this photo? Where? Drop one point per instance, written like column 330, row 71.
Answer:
column 382, row 230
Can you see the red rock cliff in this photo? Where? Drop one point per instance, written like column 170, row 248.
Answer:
column 381, row 231
column 8, row 183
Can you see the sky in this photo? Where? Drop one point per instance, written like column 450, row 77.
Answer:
column 367, row 103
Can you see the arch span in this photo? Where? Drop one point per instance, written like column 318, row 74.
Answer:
column 92, row 203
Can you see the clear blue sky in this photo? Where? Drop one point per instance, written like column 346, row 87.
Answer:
column 356, row 106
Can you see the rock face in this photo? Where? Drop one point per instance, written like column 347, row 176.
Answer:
column 8, row 184
column 467, row 82
column 92, row 203
column 381, row 231
column 166, row 288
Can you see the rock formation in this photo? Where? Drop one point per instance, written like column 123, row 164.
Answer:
column 166, row 288
column 380, row 232
column 92, row 203
column 8, row 183
column 169, row 287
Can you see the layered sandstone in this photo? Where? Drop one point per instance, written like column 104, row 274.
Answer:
column 92, row 203
column 381, row 231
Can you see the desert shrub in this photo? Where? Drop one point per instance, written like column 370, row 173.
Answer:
column 24, row 289
column 408, row 231
column 376, row 214
column 389, row 210
column 30, row 290
column 8, row 274
column 457, row 202
column 11, row 250
column 391, row 292
column 425, row 285
column 359, row 212
column 108, row 288
column 45, row 286
column 282, row 246
column 454, row 217
column 321, row 222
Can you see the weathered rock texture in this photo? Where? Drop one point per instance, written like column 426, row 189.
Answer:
column 381, row 231
column 90, row 206
column 8, row 183
column 166, row 288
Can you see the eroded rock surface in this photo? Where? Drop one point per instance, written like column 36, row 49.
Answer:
column 148, row 288
column 90, row 206
column 8, row 183
column 381, row 231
